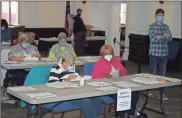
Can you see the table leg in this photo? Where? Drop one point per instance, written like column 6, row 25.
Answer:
column 28, row 111
column 39, row 111
column 162, row 103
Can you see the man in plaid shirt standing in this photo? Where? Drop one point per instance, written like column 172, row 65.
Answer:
column 160, row 36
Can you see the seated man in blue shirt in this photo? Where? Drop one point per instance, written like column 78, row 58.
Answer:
column 64, row 72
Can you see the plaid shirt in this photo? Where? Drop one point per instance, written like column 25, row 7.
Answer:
column 159, row 45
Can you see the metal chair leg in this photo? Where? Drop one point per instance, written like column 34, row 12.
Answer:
column 161, row 103
column 105, row 111
column 62, row 115
column 80, row 114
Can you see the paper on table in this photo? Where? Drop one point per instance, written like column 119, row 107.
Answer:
column 31, row 59
column 146, row 80
column 62, row 85
column 108, row 88
column 5, row 43
column 10, row 62
column 86, row 77
column 98, row 84
column 41, row 95
column 49, row 60
column 172, row 79
column 126, row 84
column 23, row 88
column 156, row 76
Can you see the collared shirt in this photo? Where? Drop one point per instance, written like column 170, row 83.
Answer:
column 58, row 73
column 18, row 50
column 159, row 46
column 57, row 50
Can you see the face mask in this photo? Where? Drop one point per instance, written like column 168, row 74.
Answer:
column 25, row 45
column 108, row 57
column 70, row 68
column 160, row 18
column 62, row 43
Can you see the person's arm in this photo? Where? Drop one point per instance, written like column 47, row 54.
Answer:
column 52, row 54
column 72, row 50
column 36, row 53
column 16, row 58
column 13, row 56
column 122, row 69
column 97, row 71
column 167, row 35
column 154, row 37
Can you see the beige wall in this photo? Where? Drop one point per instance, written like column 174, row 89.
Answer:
column 49, row 14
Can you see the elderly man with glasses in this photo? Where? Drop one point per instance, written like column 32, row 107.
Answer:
column 64, row 72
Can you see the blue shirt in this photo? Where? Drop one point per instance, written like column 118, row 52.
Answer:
column 5, row 36
column 159, row 45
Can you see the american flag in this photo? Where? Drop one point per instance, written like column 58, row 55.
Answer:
column 67, row 16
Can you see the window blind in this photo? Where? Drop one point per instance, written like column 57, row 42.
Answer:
column 10, row 11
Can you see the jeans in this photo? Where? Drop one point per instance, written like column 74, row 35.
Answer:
column 162, row 61
column 91, row 107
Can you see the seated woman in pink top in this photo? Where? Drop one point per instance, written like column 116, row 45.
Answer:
column 109, row 66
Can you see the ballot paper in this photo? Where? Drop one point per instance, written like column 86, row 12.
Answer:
column 23, row 88
column 108, row 88
column 41, row 95
column 86, row 77
column 171, row 79
column 99, row 84
column 10, row 62
column 49, row 60
column 126, row 84
column 157, row 76
column 146, row 75
column 28, row 58
column 148, row 81
column 123, row 99
column 62, row 85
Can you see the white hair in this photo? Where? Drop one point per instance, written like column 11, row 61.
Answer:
column 62, row 36
column 23, row 36
column 67, row 57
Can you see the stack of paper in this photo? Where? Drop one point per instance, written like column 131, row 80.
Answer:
column 62, row 85
column 31, row 59
column 41, row 95
column 49, row 60
column 98, row 84
column 23, row 88
column 108, row 88
column 126, row 84
column 146, row 80
column 145, row 75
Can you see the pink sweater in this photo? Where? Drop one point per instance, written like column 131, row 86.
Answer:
column 103, row 67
